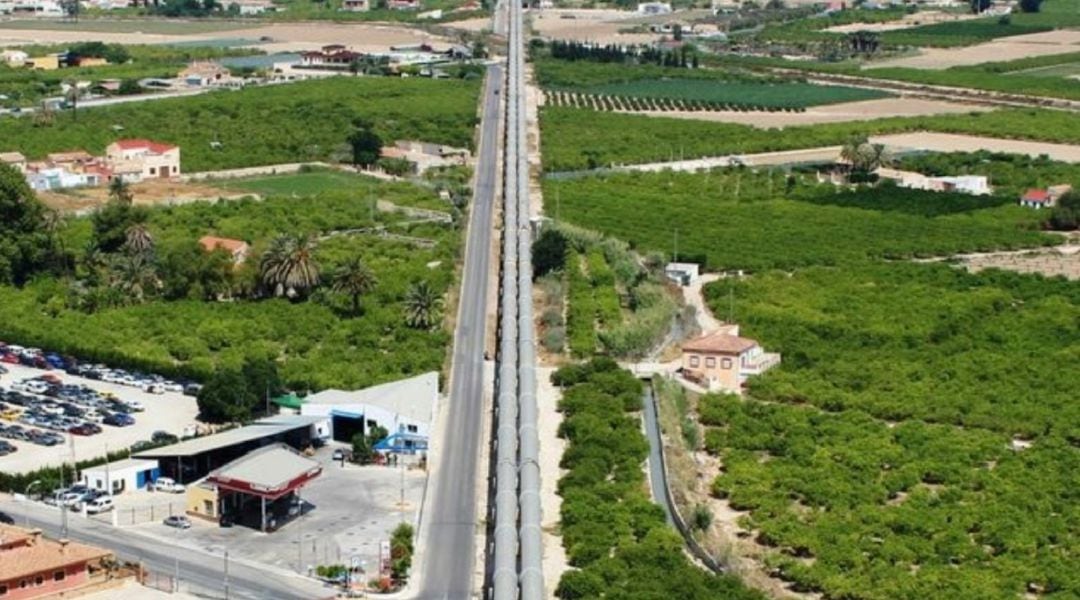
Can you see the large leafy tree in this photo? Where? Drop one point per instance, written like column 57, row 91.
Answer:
column 112, row 222
column 354, row 279
column 288, row 267
column 549, row 252
column 423, row 306
column 25, row 244
column 365, row 143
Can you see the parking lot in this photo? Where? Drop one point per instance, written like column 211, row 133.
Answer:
column 348, row 511
column 169, row 411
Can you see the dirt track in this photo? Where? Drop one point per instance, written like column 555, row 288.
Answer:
column 1002, row 49
column 146, row 193
column 283, row 37
column 834, row 113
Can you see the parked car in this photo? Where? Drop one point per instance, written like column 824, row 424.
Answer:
column 6, row 519
column 7, row 448
column 166, row 484
column 99, row 505
column 192, row 389
column 178, row 521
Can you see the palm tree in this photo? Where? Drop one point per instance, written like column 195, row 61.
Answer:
column 72, row 93
column 53, row 222
column 120, row 191
column 139, row 240
column 133, row 275
column 354, row 279
column 423, row 306
column 288, row 266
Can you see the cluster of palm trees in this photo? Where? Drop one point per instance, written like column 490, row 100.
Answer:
column 289, row 268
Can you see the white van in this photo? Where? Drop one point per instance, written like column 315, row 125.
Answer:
column 165, row 484
column 99, row 504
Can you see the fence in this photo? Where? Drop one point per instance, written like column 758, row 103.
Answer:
column 134, row 515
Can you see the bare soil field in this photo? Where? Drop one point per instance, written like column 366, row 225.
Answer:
column 146, row 193
column 1061, row 260
column 906, row 22
column 949, row 142
column 1004, row 49
column 600, row 26
column 279, row 37
column 865, row 110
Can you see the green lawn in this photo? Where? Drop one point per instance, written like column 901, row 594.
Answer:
column 1064, row 70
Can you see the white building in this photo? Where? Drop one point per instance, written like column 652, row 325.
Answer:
column 249, row 8
column 14, row 58
column 117, row 477
column 976, row 185
column 38, row 8
column 356, row 5
column 406, row 406
column 682, row 273
column 654, row 8
column 141, row 159
column 56, row 178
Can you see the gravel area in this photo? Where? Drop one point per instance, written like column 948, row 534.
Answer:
column 170, row 412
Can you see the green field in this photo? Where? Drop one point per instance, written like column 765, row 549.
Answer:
column 780, row 95
column 317, row 341
column 305, row 121
column 875, row 462
column 718, row 219
column 958, row 33
column 1071, row 69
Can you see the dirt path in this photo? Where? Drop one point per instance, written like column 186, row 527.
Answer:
column 865, row 110
column 693, row 296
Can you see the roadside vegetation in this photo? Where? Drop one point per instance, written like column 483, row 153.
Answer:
column 330, row 290
column 585, row 139
column 615, row 537
column 300, row 122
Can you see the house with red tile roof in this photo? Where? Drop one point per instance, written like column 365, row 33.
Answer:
column 1044, row 198
column 32, row 566
column 723, row 360
column 238, row 249
column 140, row 159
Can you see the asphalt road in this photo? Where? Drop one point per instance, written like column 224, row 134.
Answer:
column 199, row 572
column 451, row 509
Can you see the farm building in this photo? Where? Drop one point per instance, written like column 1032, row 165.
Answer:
column 682, row 273
column 120, row 476
column 140, row 159
column 1044, row 198
column 723, row 361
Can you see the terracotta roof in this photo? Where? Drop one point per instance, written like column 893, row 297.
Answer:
column 720, row 342
column 40, row 554
column 156, row 147
column 1036, row 195
column 211, row 243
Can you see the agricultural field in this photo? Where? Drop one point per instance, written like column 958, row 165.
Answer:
column 579, row 139
column 1011, row 174
column 717, row 217
column 615, row 537
column 171, row 322
column 909, row 447
column 27, row 87
column 145, row 26
column 958, row 33
column 304, row 121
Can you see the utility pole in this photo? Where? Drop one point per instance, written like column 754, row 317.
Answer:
column 675, row 253
column 226, row 574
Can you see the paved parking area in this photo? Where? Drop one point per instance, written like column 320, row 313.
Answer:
column 170, row 412
column 354, row 508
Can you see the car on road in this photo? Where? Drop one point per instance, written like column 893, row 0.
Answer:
column 99, row 505
column 178, row 521
column 166, row 484
column 340, row 454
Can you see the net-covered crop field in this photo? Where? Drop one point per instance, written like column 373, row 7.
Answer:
column 716, row 94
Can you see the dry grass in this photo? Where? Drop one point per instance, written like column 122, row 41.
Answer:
column 1004, row 49
column 146, row 193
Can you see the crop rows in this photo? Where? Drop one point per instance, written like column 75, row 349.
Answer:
column 609, row 103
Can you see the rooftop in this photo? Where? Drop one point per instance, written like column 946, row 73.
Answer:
column 137, row 144
column 1037, row 195
column 127, row 463
column 720, row 342
column 211, row 243
column 269, row 469
column 12, row 157
column 259, row 429
column 413, row 397
column 34, row 553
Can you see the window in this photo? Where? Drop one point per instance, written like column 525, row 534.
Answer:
column 694, row 360
column 3, row 589
column 725, row 363
column 710, row 362
column 153, row 171
column 411, row 428
column 39, row 580
column 372, row 423
column 58, row 576
column 23, row 583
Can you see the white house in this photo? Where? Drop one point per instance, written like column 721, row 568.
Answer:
column 254, row 7
column 682, row 273
column 976, row 185
column 142, row 159
column 356, row 5
column 120, row 476
column 55, row 178
column 406, row 406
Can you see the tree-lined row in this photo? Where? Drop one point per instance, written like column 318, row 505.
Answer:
column 617, row 541
column 637, row 103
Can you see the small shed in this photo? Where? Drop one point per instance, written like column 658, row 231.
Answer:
column 122, row 475
column 683, row 273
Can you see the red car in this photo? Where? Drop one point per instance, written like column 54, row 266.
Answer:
column 10, row 359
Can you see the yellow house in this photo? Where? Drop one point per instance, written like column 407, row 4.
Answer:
column 723, row 361
column 44, row 63
column 202, row 501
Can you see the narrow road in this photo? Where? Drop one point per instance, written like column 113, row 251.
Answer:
column 450, row 511
column 200, row 572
